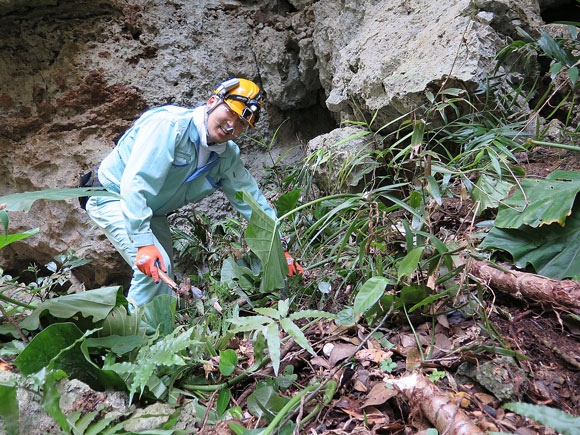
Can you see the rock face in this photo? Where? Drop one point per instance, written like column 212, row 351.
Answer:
column 341, row 157
column 75, row 74
column 391, row 52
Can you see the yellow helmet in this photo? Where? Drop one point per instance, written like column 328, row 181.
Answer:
column 243, row 97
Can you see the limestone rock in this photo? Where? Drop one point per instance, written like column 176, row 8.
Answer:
column 149, row 418
column 301, row 4
column 501, row 377
column 287, row 84
column 338, row 158
column 388, row 54
column 32, row 416
column 78, row 396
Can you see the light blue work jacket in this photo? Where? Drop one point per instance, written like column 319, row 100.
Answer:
column 154, row 168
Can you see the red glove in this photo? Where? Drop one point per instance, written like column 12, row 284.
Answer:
column 293, row 266
column 146, row 258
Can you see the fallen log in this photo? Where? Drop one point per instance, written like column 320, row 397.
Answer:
column 536, row 288
column 440, row 409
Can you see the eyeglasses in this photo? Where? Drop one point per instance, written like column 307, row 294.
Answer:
column 241, row 123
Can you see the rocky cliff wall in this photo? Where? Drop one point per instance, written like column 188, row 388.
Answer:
column 74, row 74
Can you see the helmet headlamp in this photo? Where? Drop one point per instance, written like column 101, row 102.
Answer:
column 242, row 96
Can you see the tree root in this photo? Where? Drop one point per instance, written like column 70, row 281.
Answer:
column 424, row 396
column 536, row 288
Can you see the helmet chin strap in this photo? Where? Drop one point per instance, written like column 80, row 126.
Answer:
column 227, row 129
column 210, row 139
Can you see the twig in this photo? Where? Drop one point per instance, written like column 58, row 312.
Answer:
column 207, row 409
column 299, row 418
column 13, row 323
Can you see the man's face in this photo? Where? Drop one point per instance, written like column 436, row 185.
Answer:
column 223, row 123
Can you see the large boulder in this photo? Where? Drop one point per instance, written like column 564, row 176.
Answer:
column 382, row 55
column 340, row 158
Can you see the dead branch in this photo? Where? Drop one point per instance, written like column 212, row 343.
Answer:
column 11, row 320
column 536, row 288
column 441, row 411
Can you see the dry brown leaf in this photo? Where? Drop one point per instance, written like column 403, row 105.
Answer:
column 371, row 415
column 340, row 352
column 320, row 361
column 346, row 403
column 4, row 367
column 379, row 394
column 374, row 355
column 413, row 359
column 442, row 320
column 361, row 380
column 463, row 398
column 442, row 342
column 486, row 399
column 488, row 426
column 431, row 282
column 408, row 340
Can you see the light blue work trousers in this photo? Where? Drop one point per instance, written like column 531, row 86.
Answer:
column 106, row 213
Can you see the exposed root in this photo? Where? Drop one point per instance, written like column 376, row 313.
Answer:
column 441, row 411
column 534, row 288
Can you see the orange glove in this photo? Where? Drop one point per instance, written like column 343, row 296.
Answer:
column 295, row 268
column 146, row 258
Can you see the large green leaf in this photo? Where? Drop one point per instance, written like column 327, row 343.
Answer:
column 550, row 200
column 235, row 275
column 228, row 361
column 298, row 335
column 23, row 201
column 119, row 344
column 160, row 313
column 287, row 202
column 409, row 264
column 265, row 402
column 9, row 409
column 120, row 323
column 552, row 250
column 263, row 239
column 273, row 339
column 6, row 239
column 489, row 191
column 223, row 401
column 59, row 347
column 250, row 323
column 92, row 303
column 166, row 352
column 554, row 50
column 556, row 419
column 51, row 397
column 370, row 293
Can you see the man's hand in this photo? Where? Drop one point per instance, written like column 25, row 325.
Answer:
column 293, row 266
column 147, row 256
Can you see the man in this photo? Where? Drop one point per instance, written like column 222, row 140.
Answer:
column 170, row 157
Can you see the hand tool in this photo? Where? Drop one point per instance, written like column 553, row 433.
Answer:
column 185, row 289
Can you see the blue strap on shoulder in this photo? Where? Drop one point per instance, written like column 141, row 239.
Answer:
column 213, row 160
